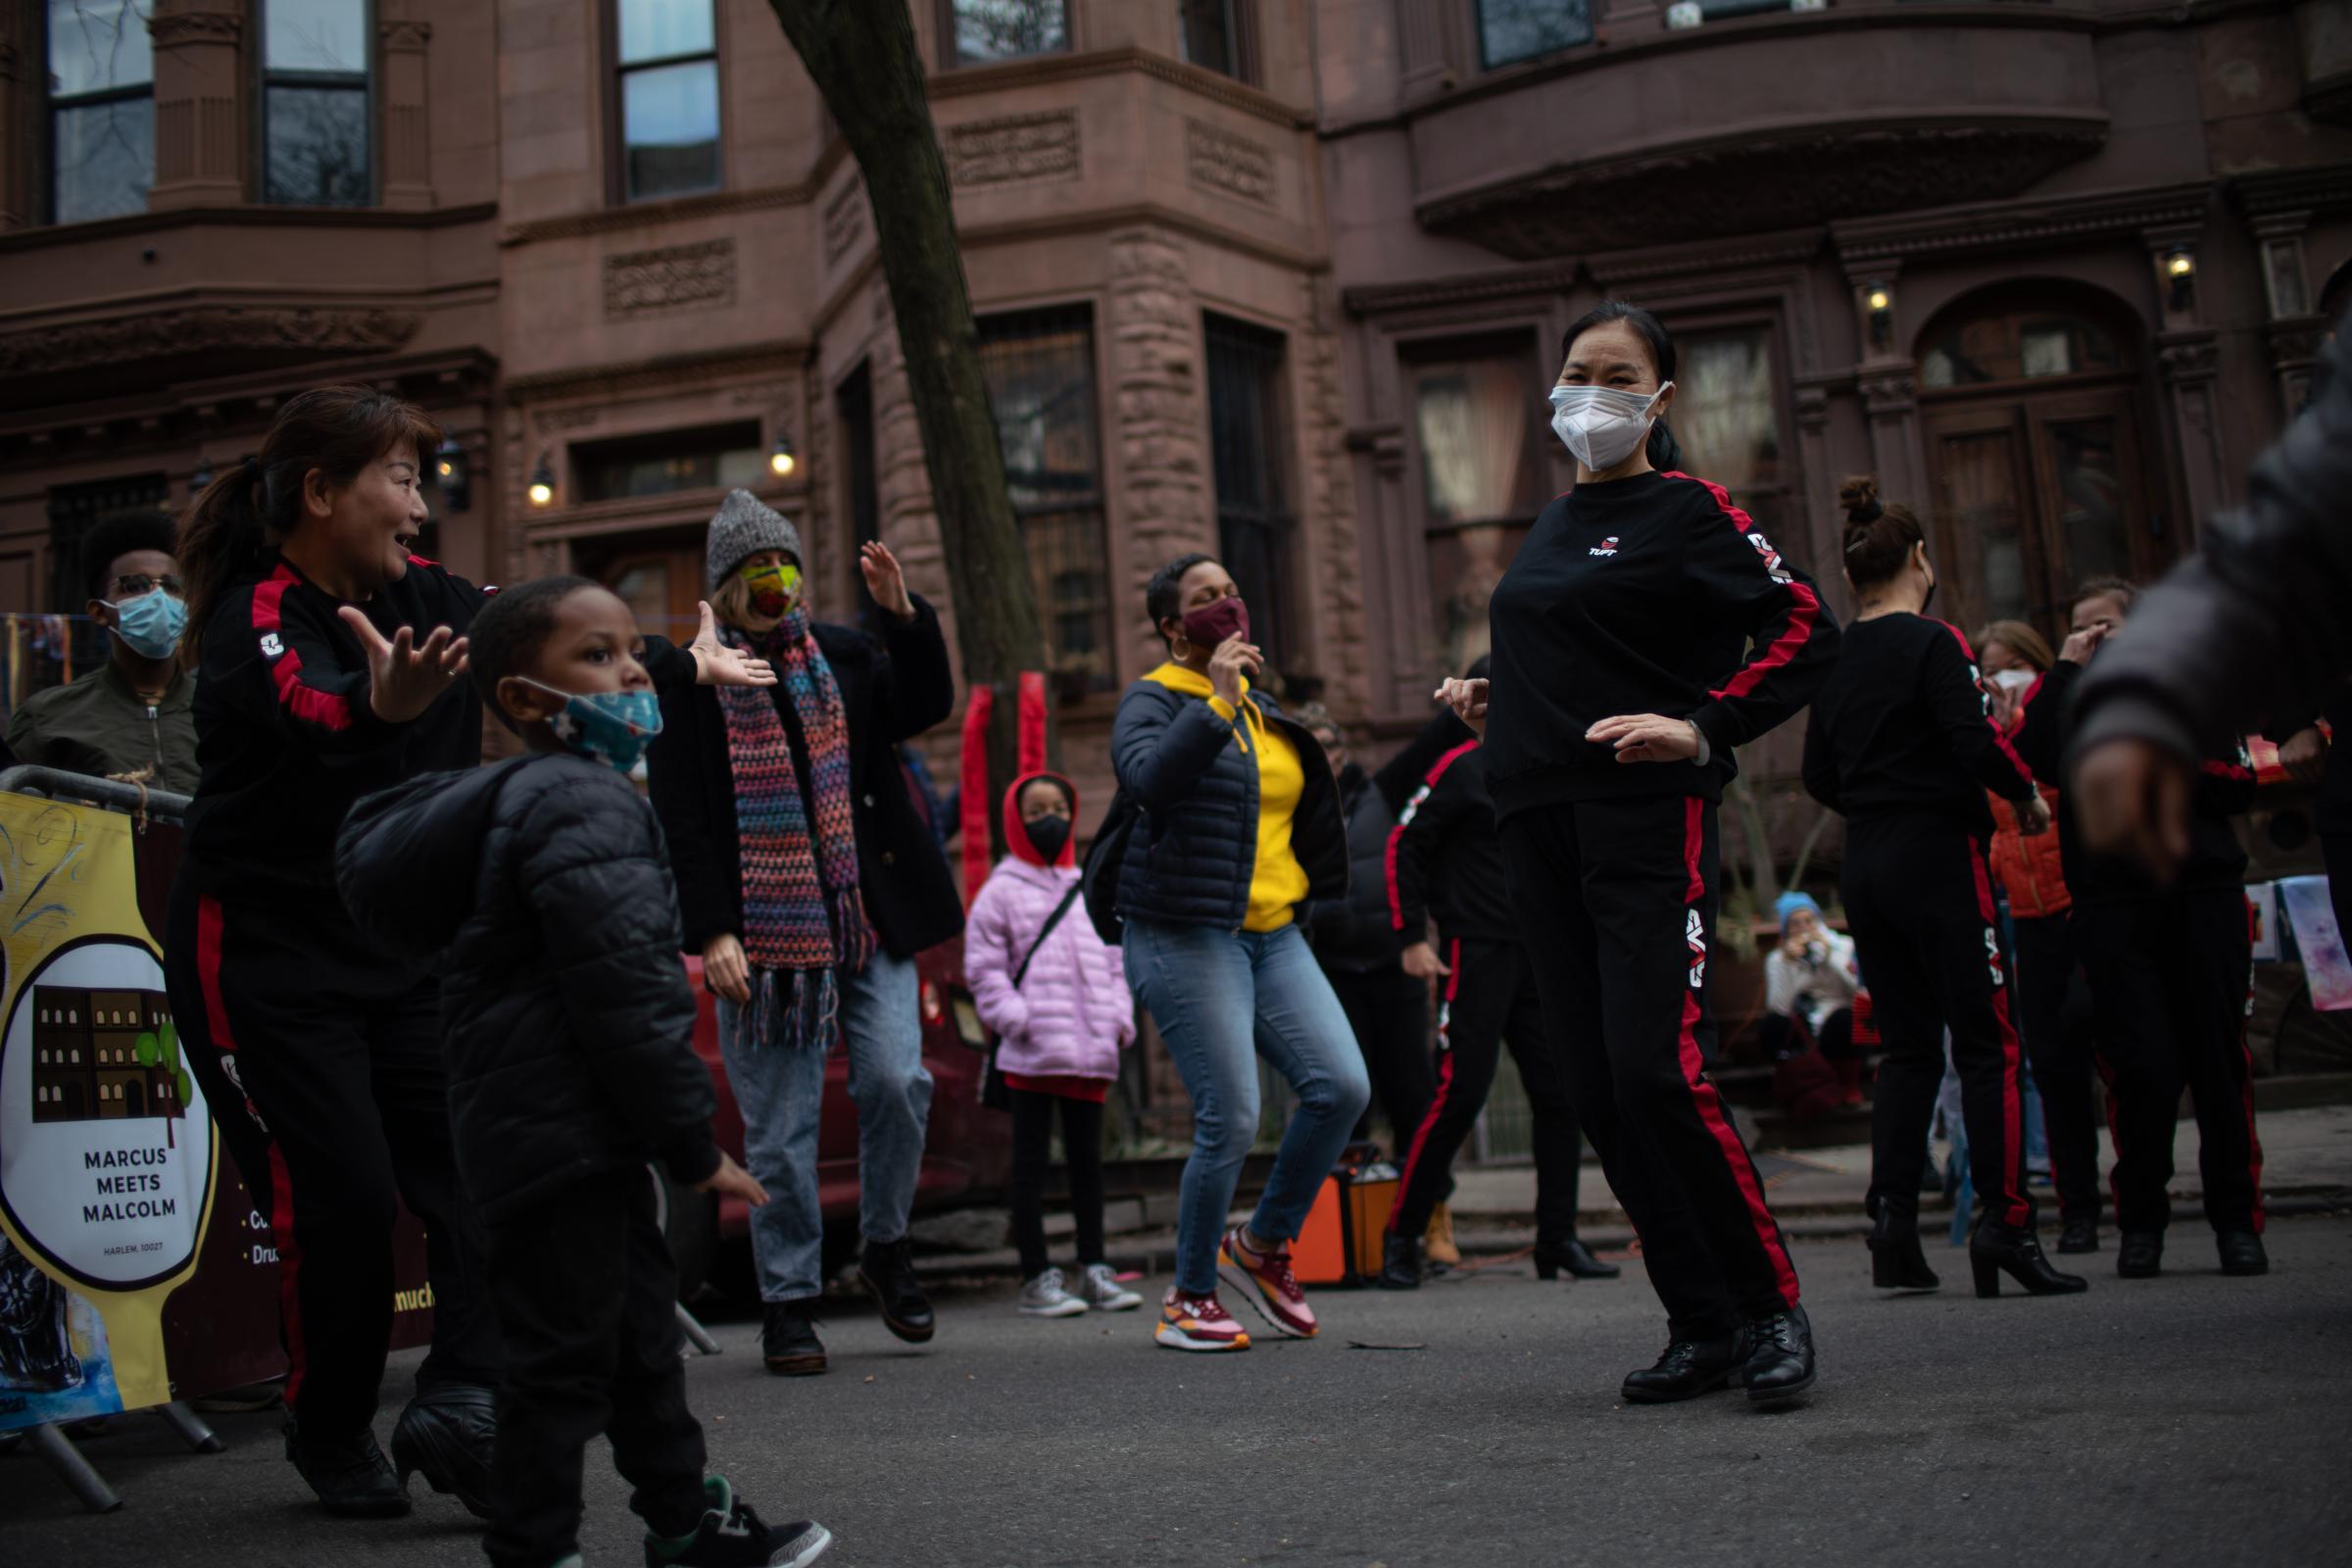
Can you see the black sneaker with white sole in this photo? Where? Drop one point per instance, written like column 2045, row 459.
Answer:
column 732, row 1535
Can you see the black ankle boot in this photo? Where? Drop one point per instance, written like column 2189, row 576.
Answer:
column 1400, row 1264
column 447, row 1435
column 1689, row 1369
column 2139, row 1254
column 1996, row 1249
column 788, row 1341
column 2242, row 1253
column 888, row 1269
column 1895, row 1261
column 1780, row 1361
column 350, row 1474
column 1574, row 1257
column 2079, row 1233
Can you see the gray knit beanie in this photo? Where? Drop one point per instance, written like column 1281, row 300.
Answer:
column 744, row 526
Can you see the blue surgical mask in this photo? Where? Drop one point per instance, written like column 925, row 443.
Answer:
column 151, row 624
column 609, row 727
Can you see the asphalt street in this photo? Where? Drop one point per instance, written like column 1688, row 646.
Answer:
column 2190, row 1419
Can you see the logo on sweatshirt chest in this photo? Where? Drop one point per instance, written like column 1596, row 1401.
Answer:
column 271, row 647
column 1607, row 547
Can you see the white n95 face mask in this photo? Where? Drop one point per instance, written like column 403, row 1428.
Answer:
column 1602, row 425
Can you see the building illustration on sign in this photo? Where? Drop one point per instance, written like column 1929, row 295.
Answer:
column 99, row 1055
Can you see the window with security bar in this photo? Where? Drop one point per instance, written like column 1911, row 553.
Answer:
column 1247, row 436
column 1039, row 367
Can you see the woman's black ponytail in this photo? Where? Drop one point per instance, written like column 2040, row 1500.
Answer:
column 1665, row 451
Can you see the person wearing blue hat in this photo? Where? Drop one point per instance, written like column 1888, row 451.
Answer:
column 1810, row 981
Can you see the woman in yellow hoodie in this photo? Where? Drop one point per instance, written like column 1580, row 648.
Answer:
column 1240, row 825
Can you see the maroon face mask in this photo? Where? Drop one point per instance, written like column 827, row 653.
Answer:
column 1212, row 625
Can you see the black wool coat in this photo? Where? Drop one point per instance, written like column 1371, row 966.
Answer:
column 892, row 688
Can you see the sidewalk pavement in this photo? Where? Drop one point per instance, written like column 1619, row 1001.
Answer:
column 2307, row 1168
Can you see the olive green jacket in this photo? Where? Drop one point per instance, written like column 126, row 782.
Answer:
column 98, row 725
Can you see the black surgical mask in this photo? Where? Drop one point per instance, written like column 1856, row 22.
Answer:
column 1048, row 835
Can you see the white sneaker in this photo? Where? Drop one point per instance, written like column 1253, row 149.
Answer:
column 1043, row 1297
column 1101, row 1290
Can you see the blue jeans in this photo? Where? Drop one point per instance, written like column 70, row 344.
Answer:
column 781, row 1093
column 1216, row 995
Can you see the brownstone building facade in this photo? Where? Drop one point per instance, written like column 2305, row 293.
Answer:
column 1284, row 279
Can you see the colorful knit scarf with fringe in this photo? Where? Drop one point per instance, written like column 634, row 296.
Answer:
column 804, row 918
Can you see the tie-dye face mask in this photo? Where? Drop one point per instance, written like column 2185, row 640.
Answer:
column 774, row 589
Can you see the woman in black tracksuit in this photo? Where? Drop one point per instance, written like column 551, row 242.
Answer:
column 2170, row 976
column 1901, row 741
column 1621, row 682
column 331, row 663
column 1444, row 857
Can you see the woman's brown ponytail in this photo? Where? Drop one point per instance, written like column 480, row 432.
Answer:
column 335, row 432
column 1879, row 538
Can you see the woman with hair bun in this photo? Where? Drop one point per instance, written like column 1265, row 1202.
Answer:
column 1646, row 628
column 1902, row 744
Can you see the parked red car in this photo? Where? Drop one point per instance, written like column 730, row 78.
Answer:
column 966, row 1153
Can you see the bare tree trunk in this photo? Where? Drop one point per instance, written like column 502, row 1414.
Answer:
column 1763, row 878
column 863, row 58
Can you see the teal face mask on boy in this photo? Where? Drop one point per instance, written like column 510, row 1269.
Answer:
column 610, row 727
column 151, row 624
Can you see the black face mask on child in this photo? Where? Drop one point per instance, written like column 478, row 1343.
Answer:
column 1048, row 835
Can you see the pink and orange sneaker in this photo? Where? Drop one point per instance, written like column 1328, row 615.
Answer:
column 1197, row 1323
column 1265, row 1279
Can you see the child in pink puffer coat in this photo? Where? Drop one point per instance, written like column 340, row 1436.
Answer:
column 1059, row 1033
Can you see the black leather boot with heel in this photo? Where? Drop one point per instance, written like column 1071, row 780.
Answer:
column 1572, row 1257
column 1996, row 1249
column 1399, row 1264
column 1895, row 1261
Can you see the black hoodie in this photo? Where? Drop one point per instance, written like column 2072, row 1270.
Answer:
column 543, row 884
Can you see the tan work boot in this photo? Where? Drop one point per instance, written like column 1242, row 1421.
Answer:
column 1437, row 1241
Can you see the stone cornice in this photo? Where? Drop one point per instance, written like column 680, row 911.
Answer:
column 2016, row 224
column 2324, row 187
column 1391, row 299
column 171, row 31
column 1707, row 256
column 1015, row 75
column 242, row 216
column 668, row 369
column 655, row 215
column 124, row 340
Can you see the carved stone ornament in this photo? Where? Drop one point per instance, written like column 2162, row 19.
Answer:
column 845, row 221
column 673, row 277
column 409, row 33
column 210, row 328
column 1757, row 185
column 195, row 26
column 1003, row 152
column 1221, row 161
column 2194, row 361
column 1888, row 396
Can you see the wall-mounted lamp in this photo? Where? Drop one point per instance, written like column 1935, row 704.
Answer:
column 202, row 480
column 543, row 482
column 456, row 484
column 780, row 461
column 1880, row 301
column 2180, row 267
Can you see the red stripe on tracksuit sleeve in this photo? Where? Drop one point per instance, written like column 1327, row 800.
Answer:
column 2214, row 767
column 2000, row 736
column 326, row 710
column 1405, row 821
column 1804, row 606
column 1703, row 1096
column 2013, row 1146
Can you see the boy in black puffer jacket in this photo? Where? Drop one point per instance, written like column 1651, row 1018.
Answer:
column 545, row 886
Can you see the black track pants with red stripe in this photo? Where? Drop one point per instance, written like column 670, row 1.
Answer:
column 1491, row 998
column 1918, row 892
column 2168, row 985
column 2053, row 1016
column 323, row 1063
column 1616, row 901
